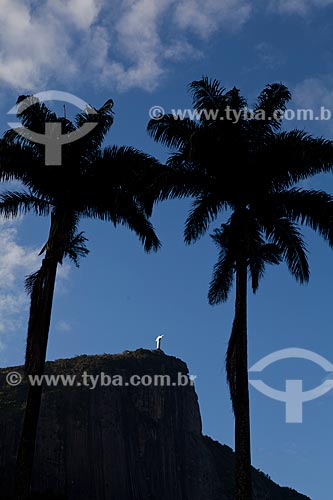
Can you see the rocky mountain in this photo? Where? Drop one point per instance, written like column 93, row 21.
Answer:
column 121, row 441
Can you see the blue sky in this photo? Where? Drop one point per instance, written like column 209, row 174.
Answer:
column 144, row 53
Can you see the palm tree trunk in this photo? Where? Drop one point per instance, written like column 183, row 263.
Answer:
column 241, row 388
column 38, row 329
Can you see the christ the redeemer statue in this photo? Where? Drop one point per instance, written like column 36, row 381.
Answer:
column 158, row 342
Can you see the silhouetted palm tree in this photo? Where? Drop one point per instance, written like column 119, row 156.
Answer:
column 230, row 160
column 92, row 182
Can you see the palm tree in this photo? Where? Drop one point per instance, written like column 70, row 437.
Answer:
column 229, row 160
column 92, row 182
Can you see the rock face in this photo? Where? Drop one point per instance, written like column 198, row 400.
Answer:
column 121, row 442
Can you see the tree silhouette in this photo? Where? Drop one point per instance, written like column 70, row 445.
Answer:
column 109, row 184
column 239, row 163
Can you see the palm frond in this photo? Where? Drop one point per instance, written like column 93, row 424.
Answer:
column 265, row 254
column 288, row 239
column 224, row 270
column 124, row 169
column 103, row 117
column 33, row 116
column 205, row 209
column 138, row 223
column 31, row 281
column 294, row 156
column 18, row 161
column 33, row 113
column 272, row 101
column 231, row 362
column 181, row 179
column 222, row 279
column 122, row 209
column 313, row 208
column 207, row 94
column 172, row 131
column 235, row 100
column 14, row 203
column 76, row 248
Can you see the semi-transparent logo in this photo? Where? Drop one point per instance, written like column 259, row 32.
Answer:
column 53, row 139
column 294, row 396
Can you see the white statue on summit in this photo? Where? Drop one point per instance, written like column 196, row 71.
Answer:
column 158, row 342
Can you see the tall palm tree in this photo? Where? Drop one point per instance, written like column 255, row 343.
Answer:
column 229, row 160
column 92, row 182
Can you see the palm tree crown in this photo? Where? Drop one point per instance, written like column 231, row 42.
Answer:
column 249, row 165
column 94, row 182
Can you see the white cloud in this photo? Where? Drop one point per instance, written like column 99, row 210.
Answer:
column 301, row 7
column 119, row 43
column 181, row 49
column 12, row 304
column 63, row 326
column 149, row 32
column 123, row 42
column 13, row 257
column 139, row 41
column 33, row 42
column 314, row 93
column 16, row 262
column 206, row 17
column 82, row 13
